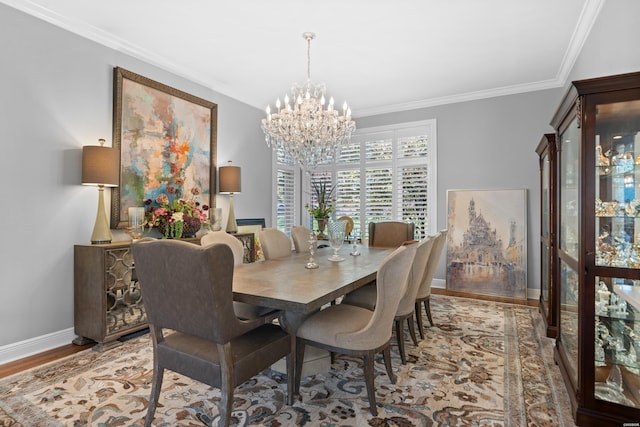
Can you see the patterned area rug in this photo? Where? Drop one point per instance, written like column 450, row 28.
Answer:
column 482, row 364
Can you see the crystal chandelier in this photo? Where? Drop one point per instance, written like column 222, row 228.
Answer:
column 307, row 131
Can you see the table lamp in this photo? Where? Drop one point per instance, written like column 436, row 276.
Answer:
column 100, row 166
column 229, row 183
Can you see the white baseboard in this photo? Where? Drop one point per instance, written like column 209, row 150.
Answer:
column 22, row 349
column 442, row 284
column 439, row 283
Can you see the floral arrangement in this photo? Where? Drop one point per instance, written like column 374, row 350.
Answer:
column 324, row 194
column 177, row 217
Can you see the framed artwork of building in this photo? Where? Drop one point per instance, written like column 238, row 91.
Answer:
column 487, row 242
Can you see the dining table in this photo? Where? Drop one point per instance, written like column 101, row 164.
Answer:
column 286, row 284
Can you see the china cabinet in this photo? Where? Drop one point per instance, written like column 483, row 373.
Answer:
column 546, row 150
column 597, row 262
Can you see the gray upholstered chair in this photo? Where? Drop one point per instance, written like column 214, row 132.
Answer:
column 424, row 291
column 390, row 234
column 187, row 289
column 366, row 296
column 242, row 310
column 300, row 236
column 275, row 244
column 353, row 330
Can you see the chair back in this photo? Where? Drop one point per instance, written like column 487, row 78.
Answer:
column 300, row 235
column 390, row 234
column 423, row 251
column 425, row 286
column 275, row 244
column 188, row 288
column 222, row 236
column 349, row 227
column 391, row 284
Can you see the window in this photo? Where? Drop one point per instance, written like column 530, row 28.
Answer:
column 384, row 173
column 287, row 209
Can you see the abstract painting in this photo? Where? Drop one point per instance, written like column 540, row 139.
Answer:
column 487, row 242
column 167, row 143
column 253, row 226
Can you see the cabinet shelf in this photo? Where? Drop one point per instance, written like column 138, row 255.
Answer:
column 631, row 294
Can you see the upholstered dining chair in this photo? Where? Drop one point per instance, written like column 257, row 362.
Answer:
column 390, row 234
column 275, row 244
column 187, row 293
column 366, row 296
column 300, row 235
column 349, row 227
column 352, row 330
column 424, row 291
column 243, row 310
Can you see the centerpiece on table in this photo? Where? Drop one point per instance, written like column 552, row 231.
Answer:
column 322, row 207
column 176, row 218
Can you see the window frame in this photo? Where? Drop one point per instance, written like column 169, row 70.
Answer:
column 401, row 130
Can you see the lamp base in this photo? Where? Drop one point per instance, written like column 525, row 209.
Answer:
column 101, row 232
column 232, row 226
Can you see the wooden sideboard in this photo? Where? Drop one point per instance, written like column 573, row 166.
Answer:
column 107, row 301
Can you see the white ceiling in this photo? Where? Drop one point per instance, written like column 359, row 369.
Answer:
column 380, row 56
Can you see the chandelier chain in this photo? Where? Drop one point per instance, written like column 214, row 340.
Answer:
column 309, row 37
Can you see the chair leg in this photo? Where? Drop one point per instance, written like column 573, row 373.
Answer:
column 419, row 319
column 427, row 307
column 158, row 374
column 386, row 354
column 370, row 382
column 412, row 330
column 400, row 339
column 298, row 367
column 226, row 384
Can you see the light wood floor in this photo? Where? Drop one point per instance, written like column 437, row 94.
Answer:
column 69, row 349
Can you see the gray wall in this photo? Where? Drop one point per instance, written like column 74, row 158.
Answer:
column 56, row 96
column 489, row 144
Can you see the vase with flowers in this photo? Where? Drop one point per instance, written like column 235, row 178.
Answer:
column 176, row 218
column 322, row 207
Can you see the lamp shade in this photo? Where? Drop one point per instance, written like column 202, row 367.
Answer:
column 100, row 165
column 229, row 179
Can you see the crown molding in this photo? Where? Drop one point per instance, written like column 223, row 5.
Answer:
column 588, row 16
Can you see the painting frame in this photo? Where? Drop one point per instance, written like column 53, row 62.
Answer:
column 487, row 242
column 252, row 226
column 172, row 112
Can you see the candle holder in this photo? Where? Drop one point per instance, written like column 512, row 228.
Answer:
column 312, row 249
column 354, row 247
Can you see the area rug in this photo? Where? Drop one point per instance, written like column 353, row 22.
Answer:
column 481, row 364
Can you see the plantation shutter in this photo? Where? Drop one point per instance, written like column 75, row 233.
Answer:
column 286, row 200
column 413, row 178
column 285, row 192
column 348, row 197
column 379, row 195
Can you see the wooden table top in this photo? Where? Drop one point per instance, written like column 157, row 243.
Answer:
column 285, row 283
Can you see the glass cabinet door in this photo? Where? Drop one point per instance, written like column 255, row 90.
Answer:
column 617, row 245
column 568, row 246
column 546, row 150
column 544, row 230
